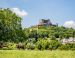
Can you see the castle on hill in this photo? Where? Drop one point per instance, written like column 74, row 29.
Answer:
column 46, row 22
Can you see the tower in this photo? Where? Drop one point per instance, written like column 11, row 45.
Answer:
column 45, row 22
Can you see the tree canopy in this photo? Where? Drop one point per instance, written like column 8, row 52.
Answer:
column 10, row 25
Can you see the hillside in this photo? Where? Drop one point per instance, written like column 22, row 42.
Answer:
column 50, row 32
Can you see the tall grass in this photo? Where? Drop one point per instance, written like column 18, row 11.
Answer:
column 36, row 54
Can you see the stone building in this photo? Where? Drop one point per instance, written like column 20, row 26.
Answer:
column 44, row 22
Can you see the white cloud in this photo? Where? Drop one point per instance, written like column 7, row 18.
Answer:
column 70, row 24
column 19, row 12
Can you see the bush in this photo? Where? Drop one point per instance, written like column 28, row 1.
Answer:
column 30, row 46
column 42, row 44
column 54, row 44
column 64, row 47
column 20, row 46
column 68, row 46
column 9, row 46
column 1, row 44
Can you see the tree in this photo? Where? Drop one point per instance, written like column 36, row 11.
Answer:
column 10, row 26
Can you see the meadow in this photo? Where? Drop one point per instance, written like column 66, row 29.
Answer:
column 36, row 54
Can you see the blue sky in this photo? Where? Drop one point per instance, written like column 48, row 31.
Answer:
column 58, row 11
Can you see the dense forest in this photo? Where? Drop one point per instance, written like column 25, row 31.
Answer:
column 12, row 36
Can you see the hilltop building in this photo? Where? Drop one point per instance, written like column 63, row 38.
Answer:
column 44, row 22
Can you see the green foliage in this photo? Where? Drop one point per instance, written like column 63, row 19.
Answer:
column 52, row 32
column 54, row 44
column 69, row 46
column 30, row 46
column 20, row 46
column 42, row 44
column 10, row 26
column 9, row 46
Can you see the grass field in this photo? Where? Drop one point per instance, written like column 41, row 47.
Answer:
column 36, row 54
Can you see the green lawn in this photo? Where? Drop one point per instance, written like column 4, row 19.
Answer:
column 36, row 54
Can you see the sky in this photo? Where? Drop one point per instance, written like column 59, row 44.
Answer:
column 31, row 11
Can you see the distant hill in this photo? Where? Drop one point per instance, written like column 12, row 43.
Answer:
column 49, row 31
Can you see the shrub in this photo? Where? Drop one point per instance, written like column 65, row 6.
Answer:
column 1, row 44
column 9, row 46
column 20, row 46
column 68, row 46
column 54, row 44
column 42, row 44
column 64, row 47
column 30, row 46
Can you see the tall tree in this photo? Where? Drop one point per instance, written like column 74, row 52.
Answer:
column 10, row 25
